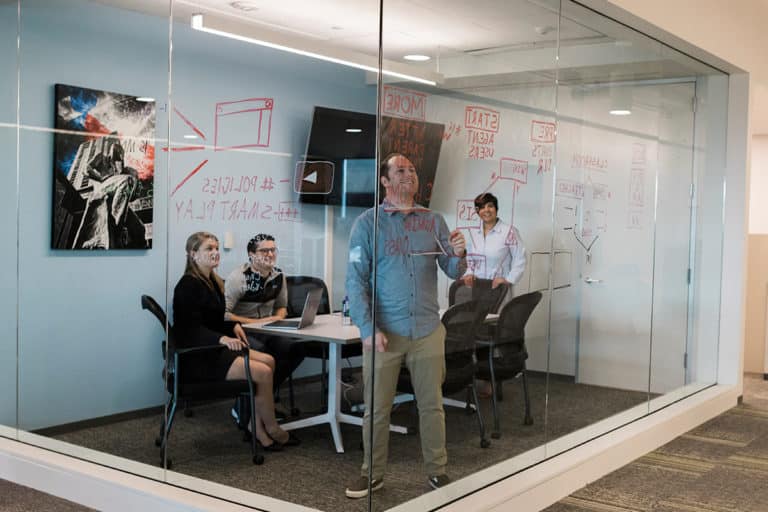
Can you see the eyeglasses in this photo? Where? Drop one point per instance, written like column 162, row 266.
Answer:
column 267, row 250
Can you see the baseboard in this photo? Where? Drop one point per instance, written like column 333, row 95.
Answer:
column 66, row 428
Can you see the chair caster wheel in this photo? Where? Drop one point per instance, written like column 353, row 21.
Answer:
column 528, row 421
column 295, row 412
column 158, row 441
column 188, row 413
column 258, row 460
column 484, row 443
column 496, row 435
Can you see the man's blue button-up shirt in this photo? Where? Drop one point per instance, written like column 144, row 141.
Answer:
column 410, row 245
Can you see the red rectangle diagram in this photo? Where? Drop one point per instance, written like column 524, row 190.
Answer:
column 404, row 103
column 466, row 215
column 543, row 131
column 243, row 124
column 480, row 118
column 511, row 169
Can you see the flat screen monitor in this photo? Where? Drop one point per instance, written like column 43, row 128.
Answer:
column 340, row 167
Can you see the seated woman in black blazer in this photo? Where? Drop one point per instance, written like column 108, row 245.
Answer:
column 198, row 311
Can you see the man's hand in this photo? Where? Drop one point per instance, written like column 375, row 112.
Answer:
column 469, row 280
column 233, row 343
column 458, row 243
column 380, row 341
column 498, row 281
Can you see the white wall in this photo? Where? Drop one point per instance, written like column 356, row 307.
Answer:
column 758, row 188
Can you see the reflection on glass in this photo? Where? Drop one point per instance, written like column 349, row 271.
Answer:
column 88, row 356
column 9, row 212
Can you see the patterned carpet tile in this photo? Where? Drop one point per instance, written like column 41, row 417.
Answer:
column 700, row 448
column 736, row 427
column 726, row 488
column 590, row 505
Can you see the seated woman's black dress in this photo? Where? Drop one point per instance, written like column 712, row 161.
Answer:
column 198, row 314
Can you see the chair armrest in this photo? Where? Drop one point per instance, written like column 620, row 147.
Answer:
column 204, row 348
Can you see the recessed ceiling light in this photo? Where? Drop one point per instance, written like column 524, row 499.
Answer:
column 145, row 99
column 620, row 112
column 336, row 27
column 417, row 57
column 353, row 130
column 190, row 136
column 244, row 6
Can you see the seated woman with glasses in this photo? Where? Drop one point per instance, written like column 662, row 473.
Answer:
column 198, row 311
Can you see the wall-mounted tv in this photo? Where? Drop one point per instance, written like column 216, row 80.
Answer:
column 340, row 167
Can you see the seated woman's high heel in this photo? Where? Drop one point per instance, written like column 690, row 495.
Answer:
column 291, row 440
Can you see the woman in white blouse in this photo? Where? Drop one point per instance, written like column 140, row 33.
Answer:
column 495, row 251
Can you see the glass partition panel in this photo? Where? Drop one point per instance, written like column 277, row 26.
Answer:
column 89, row 357
column 605, row 190
column 479, row 142
column 272, row 159
column 9, row 212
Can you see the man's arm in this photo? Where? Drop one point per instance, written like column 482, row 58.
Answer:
column 359, row 275
column 454, row 266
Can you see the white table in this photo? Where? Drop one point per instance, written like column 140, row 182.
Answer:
column 326, row 328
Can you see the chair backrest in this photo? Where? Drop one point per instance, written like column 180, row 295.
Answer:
column 461, row 323
column 510, row 330
column 298, row 288
column 153, row 307
column 482, row 291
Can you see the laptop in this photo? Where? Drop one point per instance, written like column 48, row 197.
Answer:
column 311, row 304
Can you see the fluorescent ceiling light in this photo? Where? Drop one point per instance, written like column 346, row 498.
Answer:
column 197, row 24
column 353, row 130
column 417, row 57
column 145, row 99
column 620, row 112
column 190, row 136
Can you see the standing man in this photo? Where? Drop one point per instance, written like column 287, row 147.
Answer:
column 411, row 242
column 256, row 292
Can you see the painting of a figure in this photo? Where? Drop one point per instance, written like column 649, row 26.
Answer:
column 104, row 166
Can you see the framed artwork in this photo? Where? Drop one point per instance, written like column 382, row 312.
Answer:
column 104, row 167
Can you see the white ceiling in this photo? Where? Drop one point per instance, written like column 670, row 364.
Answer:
column 504, row 42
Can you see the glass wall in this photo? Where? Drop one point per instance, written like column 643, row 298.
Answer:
column 520, row 206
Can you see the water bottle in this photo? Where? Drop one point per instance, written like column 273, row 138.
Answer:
column 345, row 318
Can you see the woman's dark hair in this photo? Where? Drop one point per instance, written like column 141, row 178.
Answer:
column 485, row 198
column 253, row 243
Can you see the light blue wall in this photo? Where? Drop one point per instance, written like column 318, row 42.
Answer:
column 86, row 347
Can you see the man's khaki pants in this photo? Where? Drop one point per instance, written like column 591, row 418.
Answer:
column 425, row 359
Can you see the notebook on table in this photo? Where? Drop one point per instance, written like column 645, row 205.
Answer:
column 311, row 305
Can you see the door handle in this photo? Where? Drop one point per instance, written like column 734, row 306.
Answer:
column 590, row 280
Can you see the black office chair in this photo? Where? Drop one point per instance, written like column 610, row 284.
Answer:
column 461, row 322
column 183, row 389
column 482, row 291
column 508, row 345
column 298, row 288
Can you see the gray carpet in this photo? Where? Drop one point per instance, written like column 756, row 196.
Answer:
column 720, row 466
column 207, row 445
column 17, row 498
